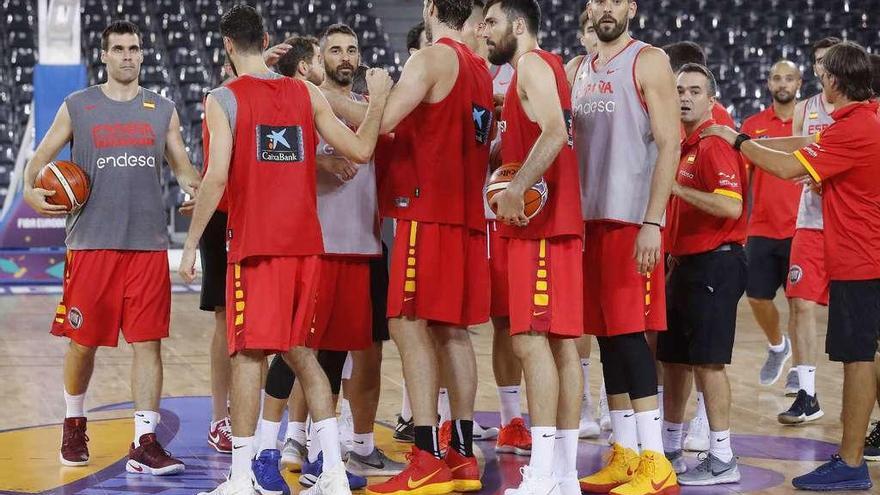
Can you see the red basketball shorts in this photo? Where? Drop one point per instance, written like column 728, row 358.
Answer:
column 618, row 299
column 344, row 313
column 270, row 302
column 439, row 273
column 546, row 286
column 500, row 292
column 807, row 278
column 106, row 291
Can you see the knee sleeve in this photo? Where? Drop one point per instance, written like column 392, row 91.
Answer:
column 628, row 366
column 279, row 379
column 332, row 362
column 612, row 367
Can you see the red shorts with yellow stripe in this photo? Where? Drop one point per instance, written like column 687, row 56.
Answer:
column 439, row 273
column 546, row 286
column 344, row 312
column 106, row 291
column 807, row 278
column 618, row 299
column 500, row 291
column 270, row 302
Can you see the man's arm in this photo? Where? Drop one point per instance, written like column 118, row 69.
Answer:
column 571, row 68
column 175, row 153
column 537, row 83
column 339, row 166
column 212, row 186
column 797, row 139
column 59, row 134
column 782, row 164
column 715, row 204
column 657, row 82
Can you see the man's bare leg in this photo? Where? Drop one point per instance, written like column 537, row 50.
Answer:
column 568, row 410
column 767, row 317
column 458, row 366
column 859, row 394
column 220, row 367
column 679, row 380
column 507, row 370
column 542, row 382
column 146, row 386
column 245, row 408
column 362, row 391
column 79, row 364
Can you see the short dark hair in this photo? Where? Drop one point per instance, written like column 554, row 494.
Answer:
column 875, row 73
column 244, row 26
column 701, row 69
column 118, row 27
column 453, row 13
column 530, row 10
column 338, row 28
column 413, row 36
column 479, row 4
column 684, row 52
column 850, row 66
column 584, row 19
column 824, row 43
column 302, row 49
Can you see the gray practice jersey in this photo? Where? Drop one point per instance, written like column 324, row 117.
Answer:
column 816, row 119
column 613, row 139
column 120, row 145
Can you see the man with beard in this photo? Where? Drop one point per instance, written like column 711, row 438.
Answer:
column 627, row 132
column 772, row 224
column 544, row 253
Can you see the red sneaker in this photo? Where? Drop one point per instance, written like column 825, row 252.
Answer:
column 220, row 436
column 514, row 438
column 151, row 458
column 74, row 442
column 465, row 471
column 425, row 475
column 445, row 436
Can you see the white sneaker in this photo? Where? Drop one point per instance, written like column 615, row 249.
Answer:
column 697, row 438
column 332, row 481
column 236, row 486
column 481, row 433
column 569, row 484
column 604, row 413
column 588, row 427
column 533, row 485
column 346, row 427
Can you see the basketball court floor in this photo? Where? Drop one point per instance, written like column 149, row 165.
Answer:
column 31, row 407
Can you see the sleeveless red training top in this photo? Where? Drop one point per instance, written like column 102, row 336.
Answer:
column 441, row 152
column 271, row 190
column 562, row 212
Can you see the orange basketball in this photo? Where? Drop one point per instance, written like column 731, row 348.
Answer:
column 70, row 183
column 534, row 198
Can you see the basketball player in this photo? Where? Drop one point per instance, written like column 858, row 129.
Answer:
column 118, row 241
column 544, row 253
column 772, row 223
column 845, row 161
column 626, row 131
column 274, row 239
column 707, row 230
column 588, row 40
column 415, row 38
column 807, row 280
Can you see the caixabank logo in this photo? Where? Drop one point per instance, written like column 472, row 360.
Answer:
column 280, row 144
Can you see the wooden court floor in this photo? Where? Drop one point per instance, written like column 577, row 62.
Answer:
column 32, row 407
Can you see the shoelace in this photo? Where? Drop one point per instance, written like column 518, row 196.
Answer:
column 874, row 436
column 225, row 429
column 645, row 471
column 74, row 434
column 828, row 466
column 155, row 450
column 519, row 429
column 705, row 463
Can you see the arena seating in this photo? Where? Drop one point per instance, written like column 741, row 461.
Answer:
column 184, row 53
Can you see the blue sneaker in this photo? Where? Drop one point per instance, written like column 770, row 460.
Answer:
column 311, row 471
column 267, row 476
column 835, row 475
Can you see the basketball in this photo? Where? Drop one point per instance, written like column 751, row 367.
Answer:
column 535, row 196
column 70, row 183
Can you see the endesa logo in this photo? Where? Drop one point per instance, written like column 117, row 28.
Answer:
column 127, row 134
column 126, row 160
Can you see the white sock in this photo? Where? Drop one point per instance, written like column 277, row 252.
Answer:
column 565, row 448
column 509, row 399
column 701, row 407
column 650, row 430
column 242, row 454
column 144, row 422
column 778, row 348
column 363, row 443
column 807, row 379
column 313, row 446
column 327, row 432
column 75, row 405
column 296, row 431
column 672, row 434
column 443, row 406
column 543, row 440
column 585, row 369
column 405, row 407
column 660, row 399
column 623, row 425
column 268, row 435
column 720, row 446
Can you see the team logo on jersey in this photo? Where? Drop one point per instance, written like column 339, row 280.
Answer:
column 568, row 127
column 281, row 144
column 795, row 274
column 814, row 115
column 482, row 123
column 75, row 317
column 123, row 134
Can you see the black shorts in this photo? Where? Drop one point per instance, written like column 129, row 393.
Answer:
column 212, row 249
column 853, row 320
column 702, row 293
column 767, row 266
column 379, row 295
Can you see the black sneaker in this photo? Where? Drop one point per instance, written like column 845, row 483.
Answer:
column 805, row 408
column 872, row 443
column 405, row 430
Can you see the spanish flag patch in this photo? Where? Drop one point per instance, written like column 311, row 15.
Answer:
column 150, row 104
column 814, row 115
column 692, row 158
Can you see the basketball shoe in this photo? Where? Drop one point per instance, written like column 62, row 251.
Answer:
column 150, row 458
column 375, row 464
column 74, row 442
column 465, row 472
column 620, row 468
column 267, row 475
column 872, row 443
column 425, row 475
column 697, row 438
column 220, row 436
column 514, row 438
column 482, row 433
column 312, row 471
column 333, row 481
column 293, row 455
column 534, row 485
column 445, row 436
column 654, row 476
column 805, row 408
column 404, row 430
column 792, row 384
column 237, row 486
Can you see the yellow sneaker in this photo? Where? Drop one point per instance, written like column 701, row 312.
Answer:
column 654, row 476
column 621, row 467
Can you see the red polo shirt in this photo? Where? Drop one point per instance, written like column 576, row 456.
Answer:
column 775, row 205
column 722, row 116
column 707, row 165
column 846, row 161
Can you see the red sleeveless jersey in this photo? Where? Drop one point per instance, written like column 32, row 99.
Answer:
column 271, row 189
column 222, row 206
column 562, row 212
column 441, row 152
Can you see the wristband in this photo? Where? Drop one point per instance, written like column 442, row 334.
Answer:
column 740, row 139
column 655, row 224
